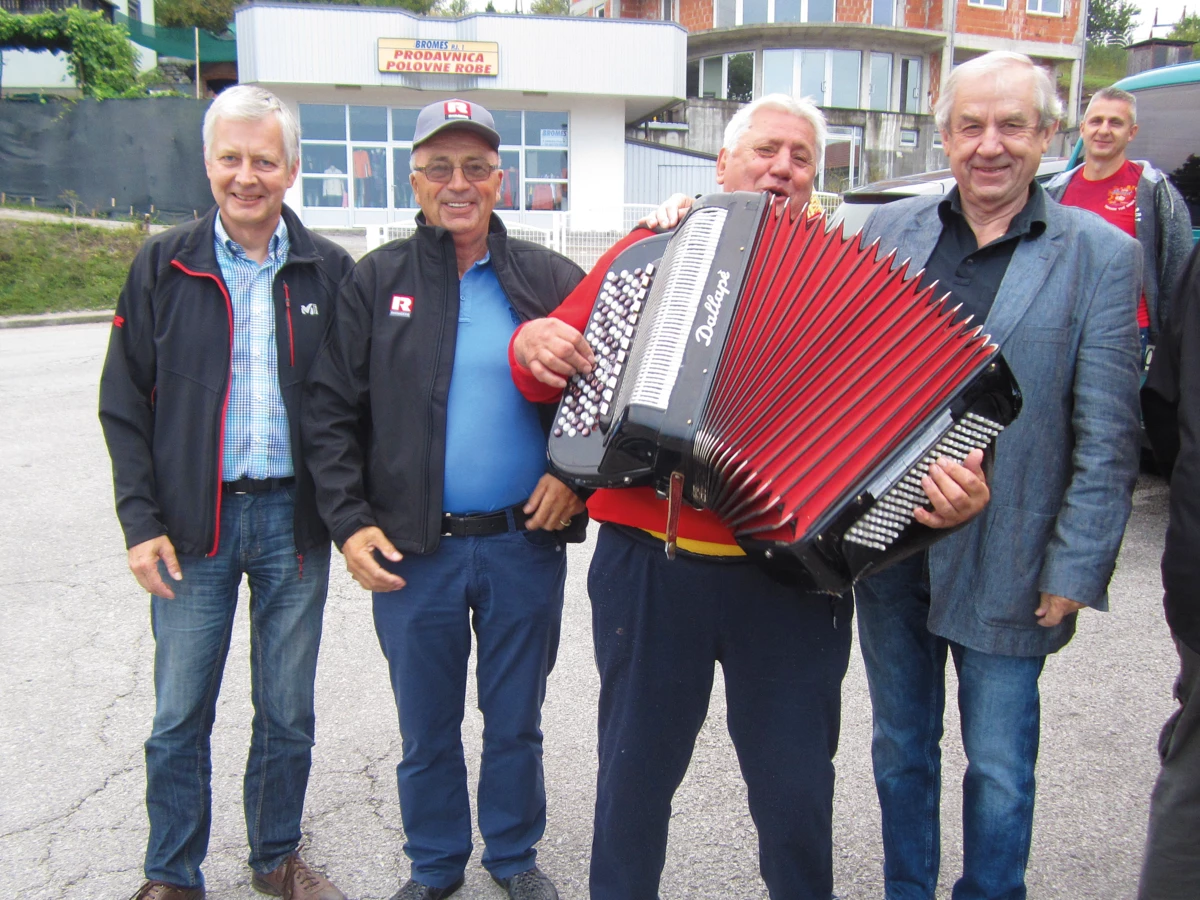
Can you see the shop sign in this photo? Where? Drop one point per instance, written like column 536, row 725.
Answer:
column 439, row 57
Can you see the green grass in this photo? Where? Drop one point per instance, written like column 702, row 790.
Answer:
column 1102, row 66
column 47, row 267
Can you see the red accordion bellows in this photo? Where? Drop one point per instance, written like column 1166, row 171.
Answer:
column 797, row 416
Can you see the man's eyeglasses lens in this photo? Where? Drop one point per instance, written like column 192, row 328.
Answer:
column 442, row 172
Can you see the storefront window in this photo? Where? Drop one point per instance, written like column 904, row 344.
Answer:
column 324, row 171
column 534, row 155
column 322, row 123
column 368, row 123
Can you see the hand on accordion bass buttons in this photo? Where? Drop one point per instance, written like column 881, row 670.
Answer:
column 958, row 493
column 552, row 351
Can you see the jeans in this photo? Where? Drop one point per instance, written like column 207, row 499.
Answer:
column 191, row 636
column 660, row 626
column 1171, row 870
column 509, row 587
column 999, row 707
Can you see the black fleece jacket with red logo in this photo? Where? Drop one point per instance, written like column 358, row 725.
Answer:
column 165, row 382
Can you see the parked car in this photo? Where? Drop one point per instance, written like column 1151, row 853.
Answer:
column 858, row 203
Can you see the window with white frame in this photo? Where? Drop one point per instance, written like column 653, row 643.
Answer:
column 349, row 156
column 990, row 4
column 830, row 77
column 728, row 77
column 883, row 12
column 879, row 89
column 908, row 137
column 751, row 12
column 1045, row 7
column 910, row 84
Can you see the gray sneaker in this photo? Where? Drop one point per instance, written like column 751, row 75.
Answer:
column 532, row 884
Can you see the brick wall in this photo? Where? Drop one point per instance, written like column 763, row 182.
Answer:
column 853, row 11
column 696, row 15
column 1015, row 23
column 923, row 14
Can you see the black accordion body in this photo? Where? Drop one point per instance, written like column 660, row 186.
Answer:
column 778, row 374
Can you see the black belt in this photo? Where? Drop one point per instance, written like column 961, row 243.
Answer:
column 256, row 485
column 483, row 524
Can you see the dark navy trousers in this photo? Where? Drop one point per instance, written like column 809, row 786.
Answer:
column 508, row 588
column 660, row 626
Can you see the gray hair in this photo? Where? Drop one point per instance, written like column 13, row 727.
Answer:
column 247, row 103
column 1115, row 93
column 804, row 108
column 1045, row 97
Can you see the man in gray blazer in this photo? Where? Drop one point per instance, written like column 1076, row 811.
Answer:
column 1056, row 288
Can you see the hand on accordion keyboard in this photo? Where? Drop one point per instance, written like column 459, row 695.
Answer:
column 552, row 351
column 958, row 492
column 551, row 505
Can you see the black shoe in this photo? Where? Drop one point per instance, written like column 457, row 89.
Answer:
column 414, row 890
column 532, row 884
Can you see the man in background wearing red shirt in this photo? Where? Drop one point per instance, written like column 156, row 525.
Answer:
column 1135, row 197
column 659, row 625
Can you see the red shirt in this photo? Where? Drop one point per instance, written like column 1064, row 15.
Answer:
column 700, row 531
column 1115, row 200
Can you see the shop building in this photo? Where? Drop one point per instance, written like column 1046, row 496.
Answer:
column 562, row 90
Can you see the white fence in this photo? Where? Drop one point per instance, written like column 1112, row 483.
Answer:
column 584, row 244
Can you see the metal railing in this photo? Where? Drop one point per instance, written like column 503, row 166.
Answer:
column 31, row 7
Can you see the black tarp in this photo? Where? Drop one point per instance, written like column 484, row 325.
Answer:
column 139, row 153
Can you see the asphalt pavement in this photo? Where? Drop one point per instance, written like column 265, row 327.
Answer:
column 76, row 701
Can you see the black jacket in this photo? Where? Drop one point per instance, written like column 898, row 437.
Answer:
column 1171, row 409
column 375, row 407
column 166, row 379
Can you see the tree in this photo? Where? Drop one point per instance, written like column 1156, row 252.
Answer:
column 490, row 8
column 99, row 55
column 550, row 7
column 1187, row 29
column 1111, row 21
column 456, row 9
column 211, row 15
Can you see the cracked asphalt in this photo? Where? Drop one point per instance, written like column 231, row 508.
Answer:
column 76, row 701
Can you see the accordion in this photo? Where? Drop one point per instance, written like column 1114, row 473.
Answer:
column 757, row 365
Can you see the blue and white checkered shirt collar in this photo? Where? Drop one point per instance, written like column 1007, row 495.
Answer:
column 277, row 250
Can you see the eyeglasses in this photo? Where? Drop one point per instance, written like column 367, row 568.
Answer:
column 442, row 172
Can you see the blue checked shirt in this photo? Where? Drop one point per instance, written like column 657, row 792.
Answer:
column 257, row 439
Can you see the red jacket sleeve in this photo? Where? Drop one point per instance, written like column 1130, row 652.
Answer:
column 574, row 311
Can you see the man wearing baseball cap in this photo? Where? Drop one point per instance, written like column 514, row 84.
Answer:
column 431, row 476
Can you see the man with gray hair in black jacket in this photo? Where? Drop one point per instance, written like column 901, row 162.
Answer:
column 431, row 475
column 215, row 329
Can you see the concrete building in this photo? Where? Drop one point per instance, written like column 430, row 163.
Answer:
column 26, row 72
column 874, row 66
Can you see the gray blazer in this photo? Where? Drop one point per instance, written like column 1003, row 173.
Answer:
column 1065, row 319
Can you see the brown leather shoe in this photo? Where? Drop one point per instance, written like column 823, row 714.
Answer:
column 160, row 890
column 294, row 880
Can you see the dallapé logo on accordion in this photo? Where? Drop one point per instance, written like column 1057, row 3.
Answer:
column 712, row 303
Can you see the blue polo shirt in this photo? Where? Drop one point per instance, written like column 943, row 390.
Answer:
column 495, row 446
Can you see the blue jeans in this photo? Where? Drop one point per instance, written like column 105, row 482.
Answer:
column 191, row 635
column 660, row 627
column 509, row 587
column 999, row 708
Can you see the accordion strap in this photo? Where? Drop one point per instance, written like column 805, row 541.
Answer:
column 674, row 502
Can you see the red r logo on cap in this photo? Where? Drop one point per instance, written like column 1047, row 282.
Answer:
column 457, row 109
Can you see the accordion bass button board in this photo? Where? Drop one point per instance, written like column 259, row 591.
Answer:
column 800, row 383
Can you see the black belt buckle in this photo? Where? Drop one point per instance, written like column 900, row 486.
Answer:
column 255, row 485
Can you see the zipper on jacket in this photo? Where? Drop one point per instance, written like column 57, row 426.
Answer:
column 287, row 305
column 225, row 404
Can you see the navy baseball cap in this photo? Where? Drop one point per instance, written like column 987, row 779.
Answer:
column 447, row 114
